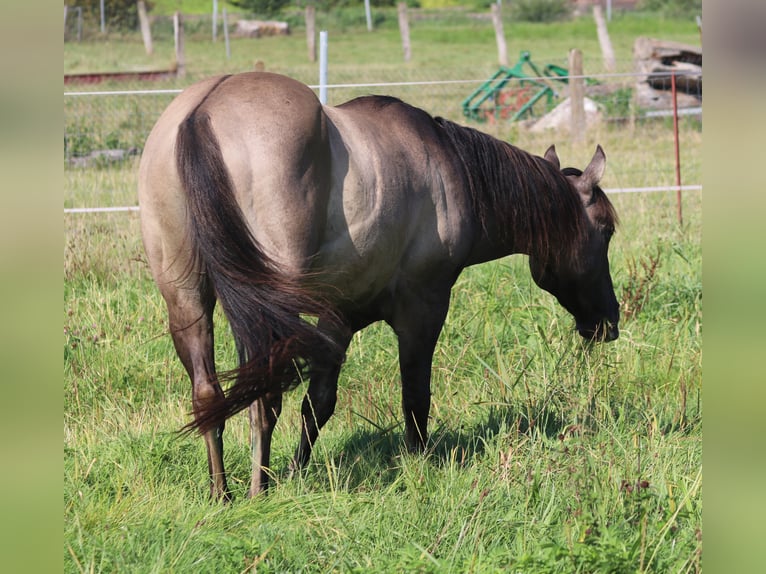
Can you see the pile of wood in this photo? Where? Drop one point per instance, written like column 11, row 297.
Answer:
column 654, row 61
column 258, row 28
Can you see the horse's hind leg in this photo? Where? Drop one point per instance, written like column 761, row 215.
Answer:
column 264, row 413
column 190, row 313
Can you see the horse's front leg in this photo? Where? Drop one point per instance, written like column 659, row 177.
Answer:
column 320, row 399
column 417, row 324
column 264, row 414
column 318, row 406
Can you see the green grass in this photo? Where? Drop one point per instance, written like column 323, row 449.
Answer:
column 454, row 45
column 546, row 455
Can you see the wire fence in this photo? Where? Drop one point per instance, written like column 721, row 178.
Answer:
column 105, row 126
column 105, row 129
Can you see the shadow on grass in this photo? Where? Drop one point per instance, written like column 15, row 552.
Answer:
column 374, row 458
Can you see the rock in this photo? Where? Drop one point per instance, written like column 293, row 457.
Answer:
column 560, row 117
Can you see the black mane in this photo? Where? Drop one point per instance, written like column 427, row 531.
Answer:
column 526, row 197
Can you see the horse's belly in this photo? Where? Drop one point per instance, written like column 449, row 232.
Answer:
column 366, row 264
column 359, row 267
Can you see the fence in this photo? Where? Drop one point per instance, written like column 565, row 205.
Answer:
column 97, row 120
column 103, row 129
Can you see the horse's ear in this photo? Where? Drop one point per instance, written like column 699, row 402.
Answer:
column 552, row 157
column 595, row 170
column 591, row 175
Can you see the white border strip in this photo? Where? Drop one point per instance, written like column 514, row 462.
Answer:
column 615, row 190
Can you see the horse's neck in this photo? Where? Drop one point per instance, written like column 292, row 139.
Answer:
column 499, row 204
column 490, row 244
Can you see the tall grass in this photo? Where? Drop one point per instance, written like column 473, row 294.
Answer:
column 546, row 454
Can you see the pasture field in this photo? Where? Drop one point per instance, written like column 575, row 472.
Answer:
column 457, row 44
column 546, row 455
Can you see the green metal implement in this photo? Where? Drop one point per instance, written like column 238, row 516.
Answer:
column 519, row 101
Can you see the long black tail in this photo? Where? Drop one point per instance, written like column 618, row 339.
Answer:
column 264, row 306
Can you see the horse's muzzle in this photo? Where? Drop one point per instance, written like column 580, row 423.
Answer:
column 603, row 332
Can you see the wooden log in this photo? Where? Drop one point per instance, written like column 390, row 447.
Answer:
column 603, row 39
column 178, row 37
column 226, row 33
column 311, row 35
column 146, row 31
column 368, row 15
column 497, row 21
column 215, row 21
column 404, row 30
column 260, row 28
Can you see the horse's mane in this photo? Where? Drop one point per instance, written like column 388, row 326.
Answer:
column 530, row 201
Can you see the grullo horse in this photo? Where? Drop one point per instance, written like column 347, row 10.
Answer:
column 309, row 222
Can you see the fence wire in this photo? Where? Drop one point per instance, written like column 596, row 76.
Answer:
column 120, row 120
column 105, row 129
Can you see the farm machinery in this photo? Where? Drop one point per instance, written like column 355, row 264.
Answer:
column 512, row 93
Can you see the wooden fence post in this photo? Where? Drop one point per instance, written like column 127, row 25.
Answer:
column 404, row 29
column 311, row 40
column 178, row 36
column 497, row 20
column 368, row 15
column 576, row 96
column 603, row 39
column 226, row 33
column 215, row 21
column 146, row 31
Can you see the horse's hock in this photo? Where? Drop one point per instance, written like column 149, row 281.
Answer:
column 654, row 61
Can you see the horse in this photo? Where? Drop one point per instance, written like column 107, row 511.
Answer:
column 309, row 222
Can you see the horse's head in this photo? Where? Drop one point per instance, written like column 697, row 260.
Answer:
column 581, row 282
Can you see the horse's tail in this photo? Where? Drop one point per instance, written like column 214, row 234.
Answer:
column 264, row 306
